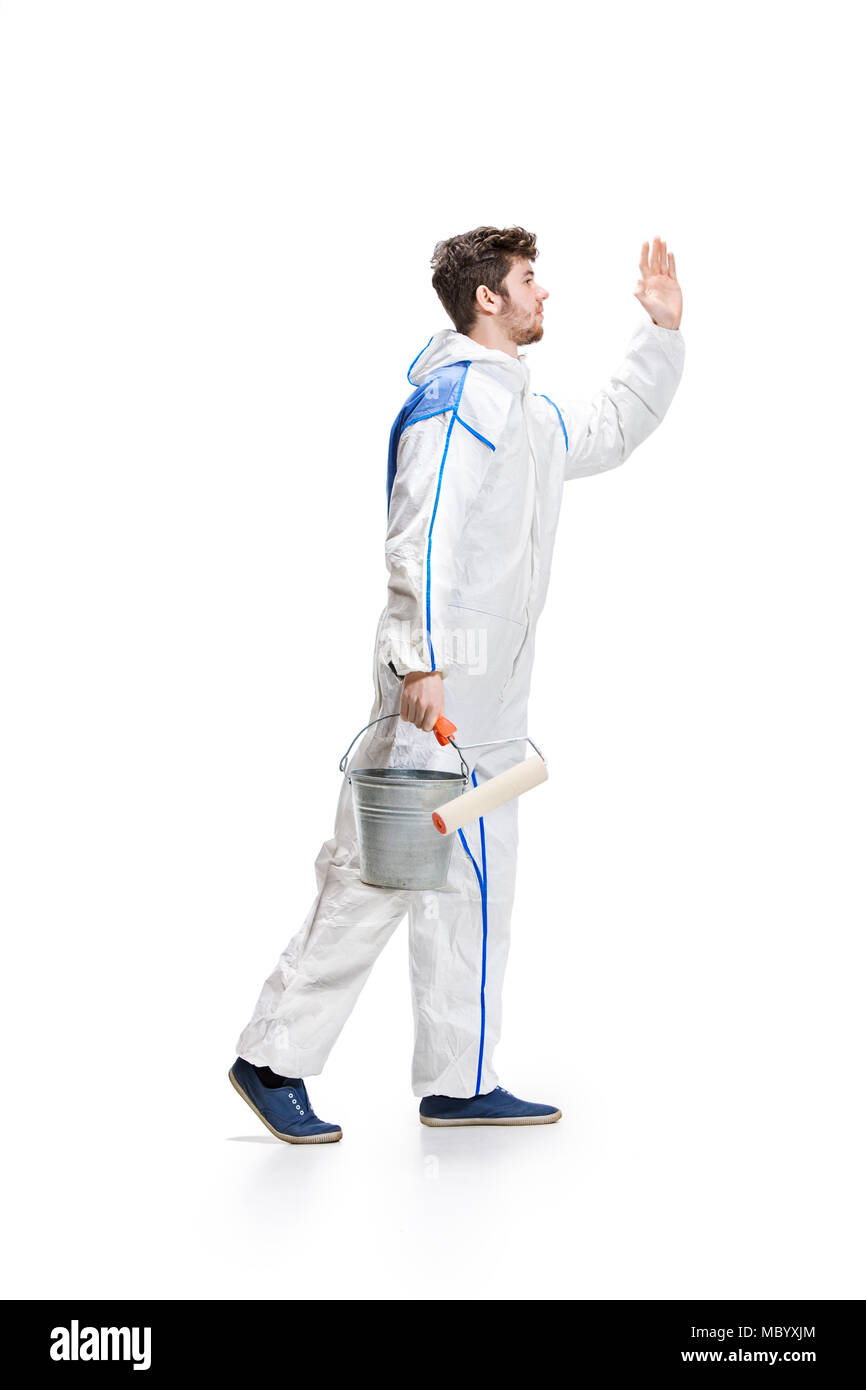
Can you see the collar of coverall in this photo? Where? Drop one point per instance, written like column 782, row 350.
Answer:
column 450, row 346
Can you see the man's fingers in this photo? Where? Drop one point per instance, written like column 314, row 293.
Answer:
column 419, row 704
column 660, row 261
column 420, row 715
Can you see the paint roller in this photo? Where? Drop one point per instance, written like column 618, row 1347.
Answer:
column 453, row 815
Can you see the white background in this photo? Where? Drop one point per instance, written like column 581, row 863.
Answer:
column 215, row 242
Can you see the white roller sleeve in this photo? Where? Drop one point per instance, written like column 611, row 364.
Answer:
column 463, row 809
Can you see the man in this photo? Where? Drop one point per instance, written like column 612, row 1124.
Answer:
column 475, row 472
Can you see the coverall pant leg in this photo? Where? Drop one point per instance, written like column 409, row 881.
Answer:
column 458, row 948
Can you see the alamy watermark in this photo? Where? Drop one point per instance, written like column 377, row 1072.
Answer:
column 464, row 648
column 76, row 1343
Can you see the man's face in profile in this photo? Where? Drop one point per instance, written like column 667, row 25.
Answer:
column 522, row 313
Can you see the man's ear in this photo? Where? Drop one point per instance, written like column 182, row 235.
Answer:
column 484, row 299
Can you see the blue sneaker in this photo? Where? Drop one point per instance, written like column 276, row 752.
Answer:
column 284, row 1110
column 497, row 1107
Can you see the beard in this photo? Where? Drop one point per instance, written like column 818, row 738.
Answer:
column 521, row 330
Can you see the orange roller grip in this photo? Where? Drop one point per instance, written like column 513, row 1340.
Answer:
column 443, row 729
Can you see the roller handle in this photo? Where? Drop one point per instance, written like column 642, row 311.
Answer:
column 443, row 729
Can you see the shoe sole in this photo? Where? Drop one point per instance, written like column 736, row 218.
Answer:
column 517, row 1120
column 286, row 1138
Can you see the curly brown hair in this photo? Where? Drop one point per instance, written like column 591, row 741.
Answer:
column 483, row 256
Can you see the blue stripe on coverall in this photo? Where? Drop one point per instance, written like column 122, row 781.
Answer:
column 482, row 884
column 406, row 418
column 556, row 408
column 436, row 508
column 415, row 359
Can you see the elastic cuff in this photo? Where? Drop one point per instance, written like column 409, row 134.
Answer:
column 418, row 670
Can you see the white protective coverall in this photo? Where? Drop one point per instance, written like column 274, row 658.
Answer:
column 476, row 467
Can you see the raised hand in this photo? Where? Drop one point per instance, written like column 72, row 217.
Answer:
column 658, row 289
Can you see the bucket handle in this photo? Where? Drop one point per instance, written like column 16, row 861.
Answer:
column 441, row 730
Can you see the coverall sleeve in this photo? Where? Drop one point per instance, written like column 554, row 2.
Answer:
column 440, row 470
column 602, row 432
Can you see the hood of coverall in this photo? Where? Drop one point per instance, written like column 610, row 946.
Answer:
column 450, row 346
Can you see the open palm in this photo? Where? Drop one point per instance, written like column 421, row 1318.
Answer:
column 658, row 289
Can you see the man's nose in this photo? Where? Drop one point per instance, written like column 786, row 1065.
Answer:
column 543, row 294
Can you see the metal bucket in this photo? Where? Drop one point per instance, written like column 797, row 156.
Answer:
column 400, row 846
